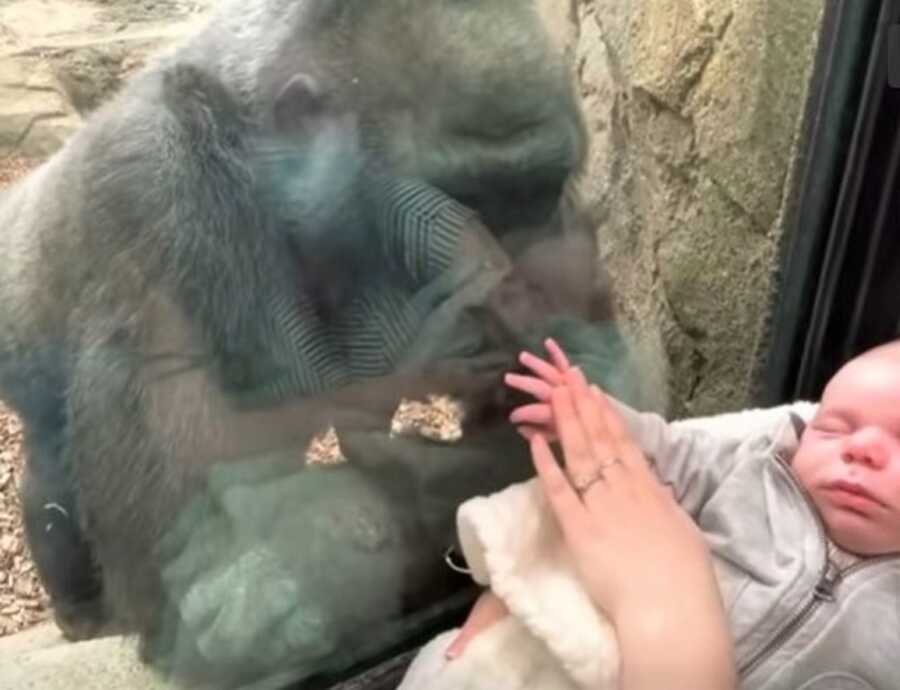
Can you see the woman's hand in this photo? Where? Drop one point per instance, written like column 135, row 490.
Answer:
column 615, row 515
column 641, row 559
column 538, row 417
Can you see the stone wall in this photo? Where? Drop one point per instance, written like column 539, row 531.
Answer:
column 59, row 59
column 695, row 108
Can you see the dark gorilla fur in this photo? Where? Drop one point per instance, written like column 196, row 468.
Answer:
column 168, row 278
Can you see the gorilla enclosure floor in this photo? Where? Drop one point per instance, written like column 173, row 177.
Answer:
column 23, row 602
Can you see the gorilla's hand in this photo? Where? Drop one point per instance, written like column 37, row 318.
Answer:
column 436, row 478
column 434, row 268
column 600, row 351
column 273, row 568
column 424, row 233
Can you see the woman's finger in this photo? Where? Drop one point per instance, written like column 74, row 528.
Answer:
column 568, row 508
column 628, row 451
column 575, row 445
column 614, row 423
column 528, row 432
column 530, row 385
column 604, row 448
column 557, row 356
column 543, row 370
column 538, row 414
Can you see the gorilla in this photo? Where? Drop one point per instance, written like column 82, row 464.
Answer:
column 309, row 211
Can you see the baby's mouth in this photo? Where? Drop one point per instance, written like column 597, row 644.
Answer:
column 853, row 495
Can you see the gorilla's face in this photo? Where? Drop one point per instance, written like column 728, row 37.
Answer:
column 473, row 96
column 486, row 110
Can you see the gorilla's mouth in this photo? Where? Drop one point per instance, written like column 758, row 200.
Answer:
column 515, row 182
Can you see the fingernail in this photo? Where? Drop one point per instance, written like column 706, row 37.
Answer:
column 452, row 651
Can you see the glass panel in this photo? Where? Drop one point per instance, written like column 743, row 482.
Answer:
column 266, row 266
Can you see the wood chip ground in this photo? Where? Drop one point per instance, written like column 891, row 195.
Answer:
column 23, row 602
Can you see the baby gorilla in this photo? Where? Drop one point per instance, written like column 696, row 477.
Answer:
column 411, row 247
column 408, row 245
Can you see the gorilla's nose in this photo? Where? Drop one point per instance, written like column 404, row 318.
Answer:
column 512, row 175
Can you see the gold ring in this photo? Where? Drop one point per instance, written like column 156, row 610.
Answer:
column 584, row 482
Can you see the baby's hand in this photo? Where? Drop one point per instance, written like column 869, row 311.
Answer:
column 538, row 417
column 489, row 609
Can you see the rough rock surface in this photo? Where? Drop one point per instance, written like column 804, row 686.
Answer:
column 59, row 59
column 695, row 108
column 40, row 659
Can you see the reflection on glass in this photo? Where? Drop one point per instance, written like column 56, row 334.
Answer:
column 256, row 315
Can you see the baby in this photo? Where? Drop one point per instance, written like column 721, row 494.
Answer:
column 800, row 507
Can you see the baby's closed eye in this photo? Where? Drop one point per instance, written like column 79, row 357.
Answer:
column 831, row 426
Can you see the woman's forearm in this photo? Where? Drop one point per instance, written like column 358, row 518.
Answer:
column 683, row 645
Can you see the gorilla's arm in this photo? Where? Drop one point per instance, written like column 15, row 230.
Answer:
column 279, row 534
column 225, row 255
column 435, row 256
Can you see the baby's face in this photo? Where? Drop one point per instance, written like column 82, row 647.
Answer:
column 849, row 456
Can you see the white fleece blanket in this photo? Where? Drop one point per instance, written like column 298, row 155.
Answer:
column 554, row 639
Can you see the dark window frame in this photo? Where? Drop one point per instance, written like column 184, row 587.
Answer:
column 840, row 260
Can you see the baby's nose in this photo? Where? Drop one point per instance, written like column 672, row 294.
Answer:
column 868, row 446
